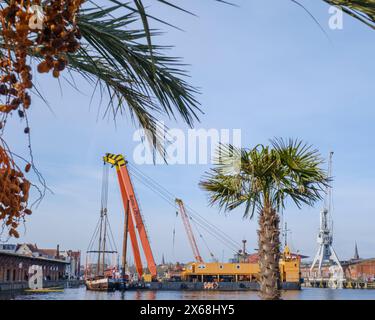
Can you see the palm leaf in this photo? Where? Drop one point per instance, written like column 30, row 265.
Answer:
column 362, row 10
column 267, row 175
column 117, row 55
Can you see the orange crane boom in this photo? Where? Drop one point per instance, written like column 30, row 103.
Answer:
column 189, row 231
column 133, row 215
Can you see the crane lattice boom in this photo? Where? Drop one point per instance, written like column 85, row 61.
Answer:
column 189, row 231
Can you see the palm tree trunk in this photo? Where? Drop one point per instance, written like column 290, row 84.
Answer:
column 269, row 254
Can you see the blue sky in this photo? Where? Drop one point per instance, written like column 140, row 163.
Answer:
column 265, row 68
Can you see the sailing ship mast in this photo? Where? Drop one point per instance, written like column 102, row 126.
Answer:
column 125, row 241
column 102, row 231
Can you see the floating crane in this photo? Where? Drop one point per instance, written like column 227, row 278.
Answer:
column 133, row 219
column 189, row 231
column 134, row 223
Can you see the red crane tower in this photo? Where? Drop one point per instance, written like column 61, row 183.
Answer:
column 189, row 231
column 133, row 218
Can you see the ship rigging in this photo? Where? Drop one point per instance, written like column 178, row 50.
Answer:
column 102, row 248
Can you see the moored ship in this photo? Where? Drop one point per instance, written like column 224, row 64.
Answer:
column 101, row 284
column 102, row 275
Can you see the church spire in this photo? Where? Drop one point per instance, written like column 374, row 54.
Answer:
column 356, row 254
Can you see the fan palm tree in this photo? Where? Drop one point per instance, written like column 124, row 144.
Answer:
column 262, row 179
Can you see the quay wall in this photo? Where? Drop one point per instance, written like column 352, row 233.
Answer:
column 22, row 285
column 348, row 284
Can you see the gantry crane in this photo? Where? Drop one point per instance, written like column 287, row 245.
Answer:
column 189, row 231
column 133, row 218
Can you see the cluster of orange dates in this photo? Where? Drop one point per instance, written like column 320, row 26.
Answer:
column 14, row 193
column 46, row 30
column 56, row 36
column 60, row 35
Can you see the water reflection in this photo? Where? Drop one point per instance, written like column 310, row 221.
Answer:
column 82, row 294
column 150, row 295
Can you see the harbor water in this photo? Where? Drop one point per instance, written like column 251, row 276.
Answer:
column 82, row 294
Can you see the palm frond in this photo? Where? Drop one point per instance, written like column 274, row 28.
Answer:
column 117, row 55
column 125, row 62
column 268, row 175
column 137, row 75
column 362, row 10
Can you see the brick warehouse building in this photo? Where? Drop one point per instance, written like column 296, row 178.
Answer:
column 360, row 270
column 356, row 270
column 14, row 270
column 16, row 260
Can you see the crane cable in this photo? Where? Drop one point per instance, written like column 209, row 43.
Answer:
column 169, row 198
column 208, row 227
column 190, row 210
column 203, row 239
column 174, row 233
column 104, row 195
column 172, row 203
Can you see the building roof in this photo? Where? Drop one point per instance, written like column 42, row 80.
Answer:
column 32, row 247
column 33, row 257
column 48, row 252
column 30, row 250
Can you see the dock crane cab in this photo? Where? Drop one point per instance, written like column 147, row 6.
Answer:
column 133, row 220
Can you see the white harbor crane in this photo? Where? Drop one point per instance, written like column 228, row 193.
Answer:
column 326, row 253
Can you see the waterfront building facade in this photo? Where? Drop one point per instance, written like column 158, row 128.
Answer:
column 16, row 270
column 354, row 270
column 18, row 263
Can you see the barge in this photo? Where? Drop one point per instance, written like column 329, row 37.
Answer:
column 215, row 286
column 216, row 276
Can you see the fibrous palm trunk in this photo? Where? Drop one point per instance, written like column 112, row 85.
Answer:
column 269, row 254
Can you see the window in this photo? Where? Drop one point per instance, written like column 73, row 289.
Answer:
column 238, row 266
column 201, row 266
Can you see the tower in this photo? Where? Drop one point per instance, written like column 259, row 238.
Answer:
column 285, row 234
column 326, row 253
column 356, row 254
column 244, row 251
